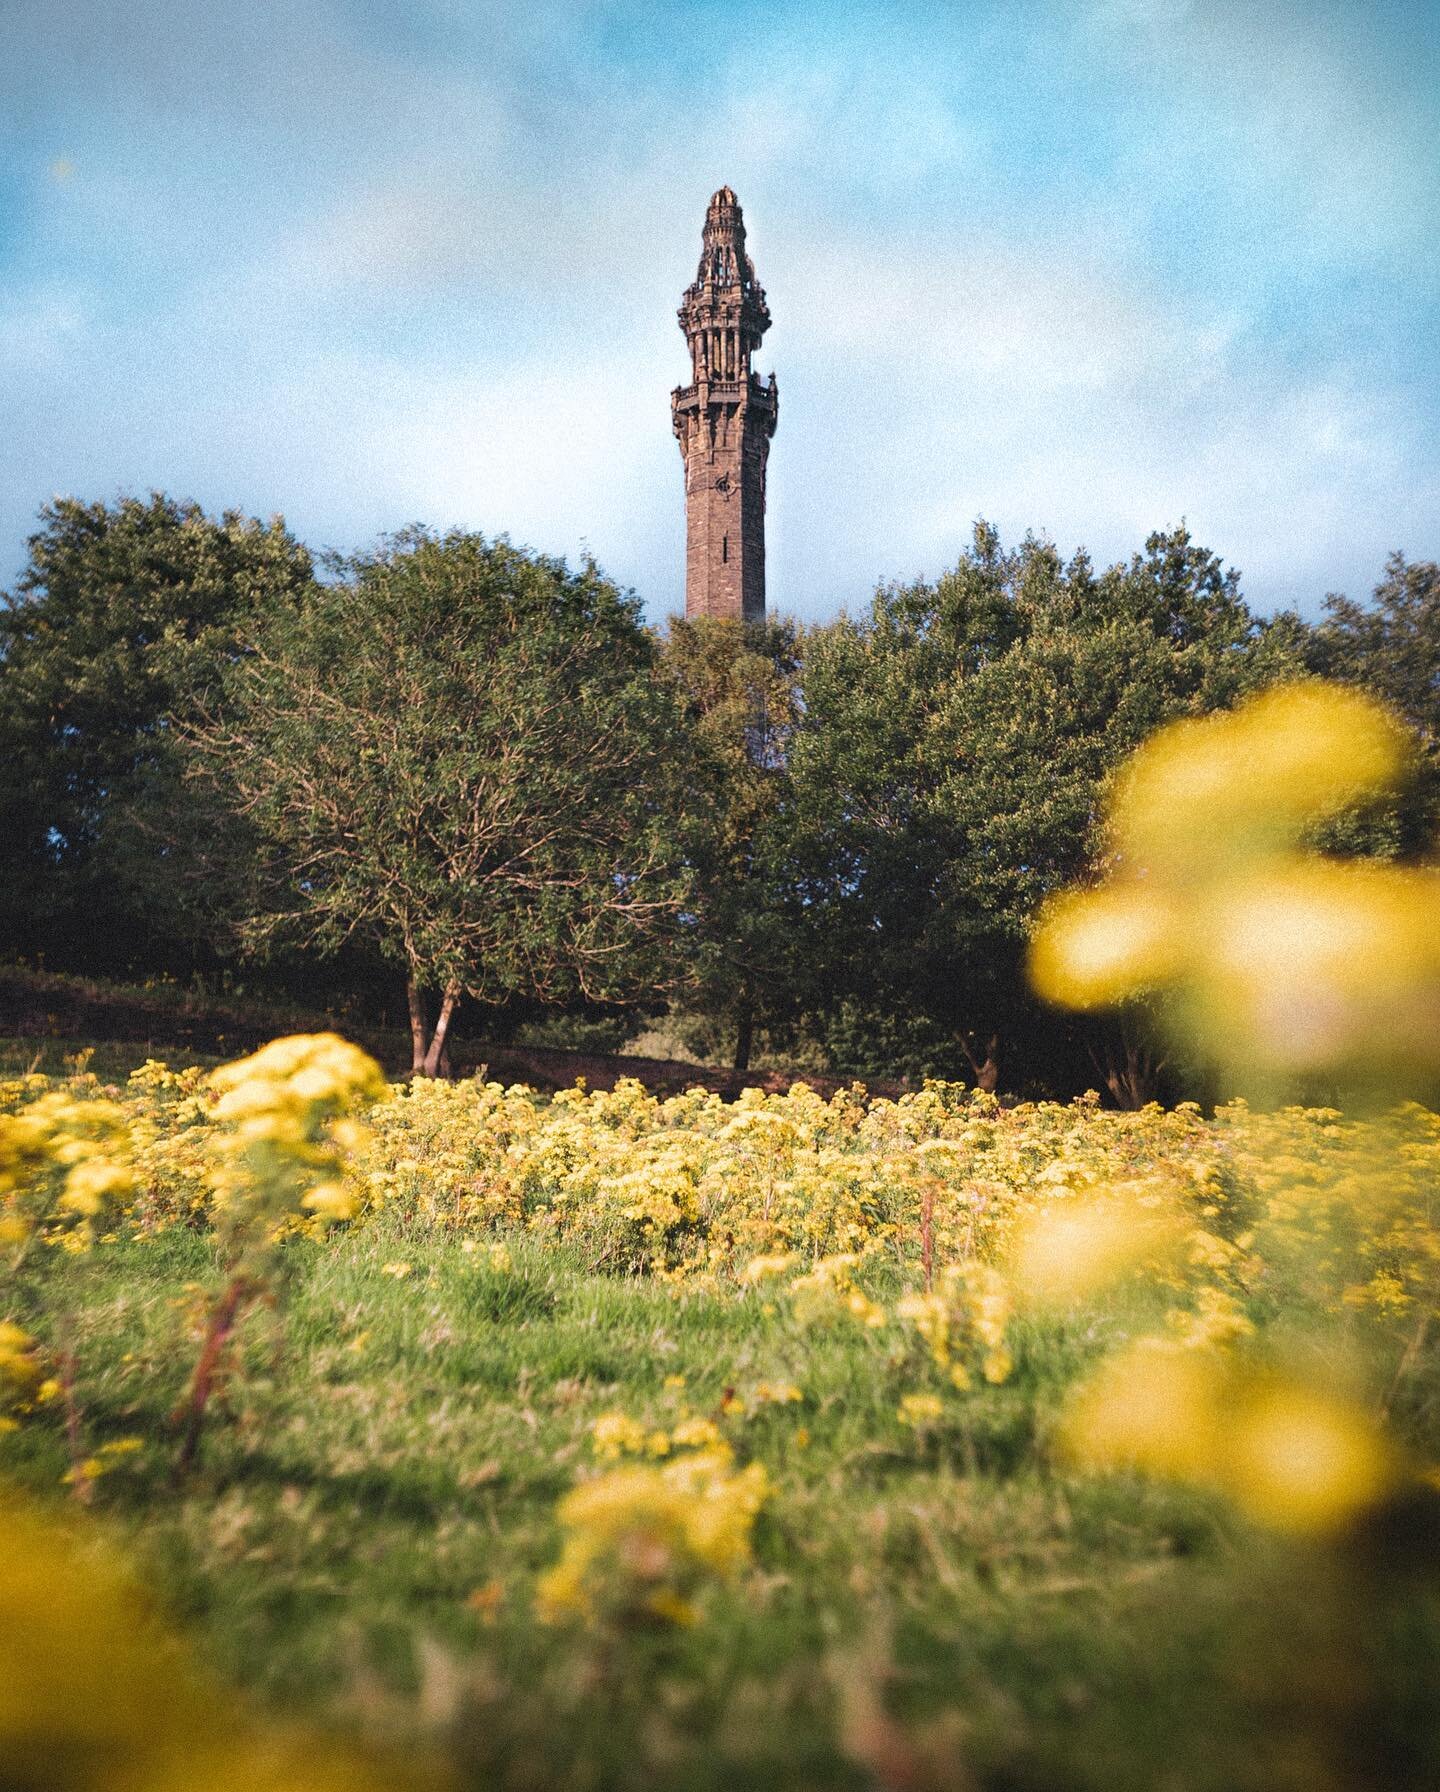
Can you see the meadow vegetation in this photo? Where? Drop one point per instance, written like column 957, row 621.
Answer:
column 613, row 1441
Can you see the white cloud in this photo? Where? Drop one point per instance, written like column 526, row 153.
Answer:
column 453, row 294
column 1034, row 386
column 1044, row 391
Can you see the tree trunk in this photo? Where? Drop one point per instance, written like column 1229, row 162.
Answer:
column 1130, row 1070
column 417, row 1026
column 744, row 1038
column 986, row 1069
column 435, row 1056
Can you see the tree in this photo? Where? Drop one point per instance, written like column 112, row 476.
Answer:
column 737, row 685
column 949, row 766
column 1393, row 646
column 461, row 753
column 1392, row 649
column 120, row 624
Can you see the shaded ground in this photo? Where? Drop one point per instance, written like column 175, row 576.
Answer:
column 44, row 1006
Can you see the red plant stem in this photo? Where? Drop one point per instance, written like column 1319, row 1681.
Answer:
column 80, row 1484
column 927, row 1234
column 1408, row 1358
column 222, row 1323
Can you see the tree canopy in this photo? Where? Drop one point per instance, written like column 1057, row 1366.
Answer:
column 1391, row 648
column 461, row 760
column 119, row 626
column 461, row 752
column 949, row 768
column 737, row 684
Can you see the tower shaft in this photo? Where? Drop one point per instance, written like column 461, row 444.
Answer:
column 724, row 420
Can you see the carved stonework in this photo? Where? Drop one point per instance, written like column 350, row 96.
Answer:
column 724, row 421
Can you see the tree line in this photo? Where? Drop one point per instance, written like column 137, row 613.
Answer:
column 457, row 773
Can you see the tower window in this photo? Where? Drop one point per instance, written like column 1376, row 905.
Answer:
column 724, row 550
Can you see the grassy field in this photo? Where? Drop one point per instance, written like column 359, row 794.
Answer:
column 366, row 1534
column 109, row 1060
column 936, row 1594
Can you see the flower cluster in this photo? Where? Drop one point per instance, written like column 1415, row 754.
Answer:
column 931, row 1233
column 962, row 1320
column 65, row 1166
column 829, row 1291
column 1289, row 1454
column 23, row 1379
column 285, row 1129
column 97, row 1693
column 1282, row 961
column 643, row 1542
column 1278, row 959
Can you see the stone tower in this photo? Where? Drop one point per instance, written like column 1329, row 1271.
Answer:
column 724, row 421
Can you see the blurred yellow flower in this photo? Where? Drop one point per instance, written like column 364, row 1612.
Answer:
column 1069, row 1250
column 616, row 1434
column 22, row 1374
column 1148, row 1408
column 332, row 1201
column 700, row 1434
column 1299, row 1460
column 783, row 1393
column 93, row 1182
column 1307, row 962
column 286, row 1127
column 95, row 1693
column 1093, row 948
column 762, row 1269
column 1285, row 1453
column 1283, row 961
column 1245, row 782
column 642, row 1542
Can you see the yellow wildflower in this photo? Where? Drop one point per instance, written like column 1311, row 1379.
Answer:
column 1299, row 1460
column 332, row 1201
column 1240, row 783
column 1069, row 1250
column 22, row 1376
column 1284, row 961
column 1093, row 948
column 919, row 1410
column 783, row 1393
column 616, row 1434
column 763, row 1269
column 699, row 1434
column 642, row 1542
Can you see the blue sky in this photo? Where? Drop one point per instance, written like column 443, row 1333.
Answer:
column 1083, row 268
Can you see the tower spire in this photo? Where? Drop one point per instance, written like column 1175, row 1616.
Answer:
column 724, row 421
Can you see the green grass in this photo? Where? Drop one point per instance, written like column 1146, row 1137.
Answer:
column 945, row 1610
column 110, row 1060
